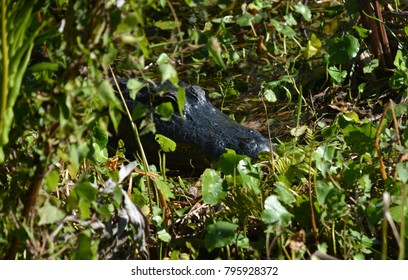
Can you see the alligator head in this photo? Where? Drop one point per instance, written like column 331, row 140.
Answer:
column 202, row 135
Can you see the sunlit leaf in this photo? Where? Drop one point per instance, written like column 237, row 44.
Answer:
column 362, row 32
column 163, row 59
column 337, row 75
column 284, row 29
column 322, row 190
column 167, row 24
column 275, row 213
column 164, row 188
column 227, row 163
column 166, row 144
column 49, row 214
column 371, row 66
column 163, row 235
column 134, row 87
column 290, row 20
column 303, row 10
column 214, row 188
column 365, row 184
column 313, row 46
column 402, row 169
column 270, row 96
column 165, row 110
column 219, row 235
column 43, row 66
column 298, row 131
column 52, row 180
column 168, row 72
column 251, row 175
column 215, row 50
column 284, row 193
column 181, row 100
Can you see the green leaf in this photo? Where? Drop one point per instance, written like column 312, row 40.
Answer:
column 322, row 190
column 298, row 131
column 398, row 80
column 290, row 20
column 242, row 241
column 324, row 156
column 362, row 32
column 270, row 96
column 360, row 137
column 365, row 184
column 251, row 176
column 228, row 162
column 370, row 67
column 399, row 61
column 117, row 196
column 168, row 73
column 164, row 188
column 284, row 29
column 214, row 187
column 284, row 193
column 163, row 59
column 49, row 214
column 191, row 3
column 84, row 189
column 337, row 75
column 181, row 100
column 86, row 248
column 105, row 211
column 303, row 10
column 164, row 236
column 100, row 136
column 275, row 213
column 343, row 49
column 165, row 110
column 219, row 235
column 397, row 215
column 43, row 66
column 313, row 46
column 245, row 20
column 215, row 50
column 139, row 111
column 101, row 154
column 134, row 87
column 166, row 144
column 51, row 180
column 167, row 24
column 115, row 117
column 84, row 206
column 402, row 169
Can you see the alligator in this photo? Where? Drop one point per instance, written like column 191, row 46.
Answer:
column 201, row 131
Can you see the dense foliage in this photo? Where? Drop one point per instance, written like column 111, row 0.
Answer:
column 326, row 81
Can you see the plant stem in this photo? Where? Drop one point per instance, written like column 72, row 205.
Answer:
column 139, row 142
column 5, row 82
column 384, row 251
column 401, row 255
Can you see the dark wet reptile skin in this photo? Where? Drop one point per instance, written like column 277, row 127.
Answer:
column 202, row 135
